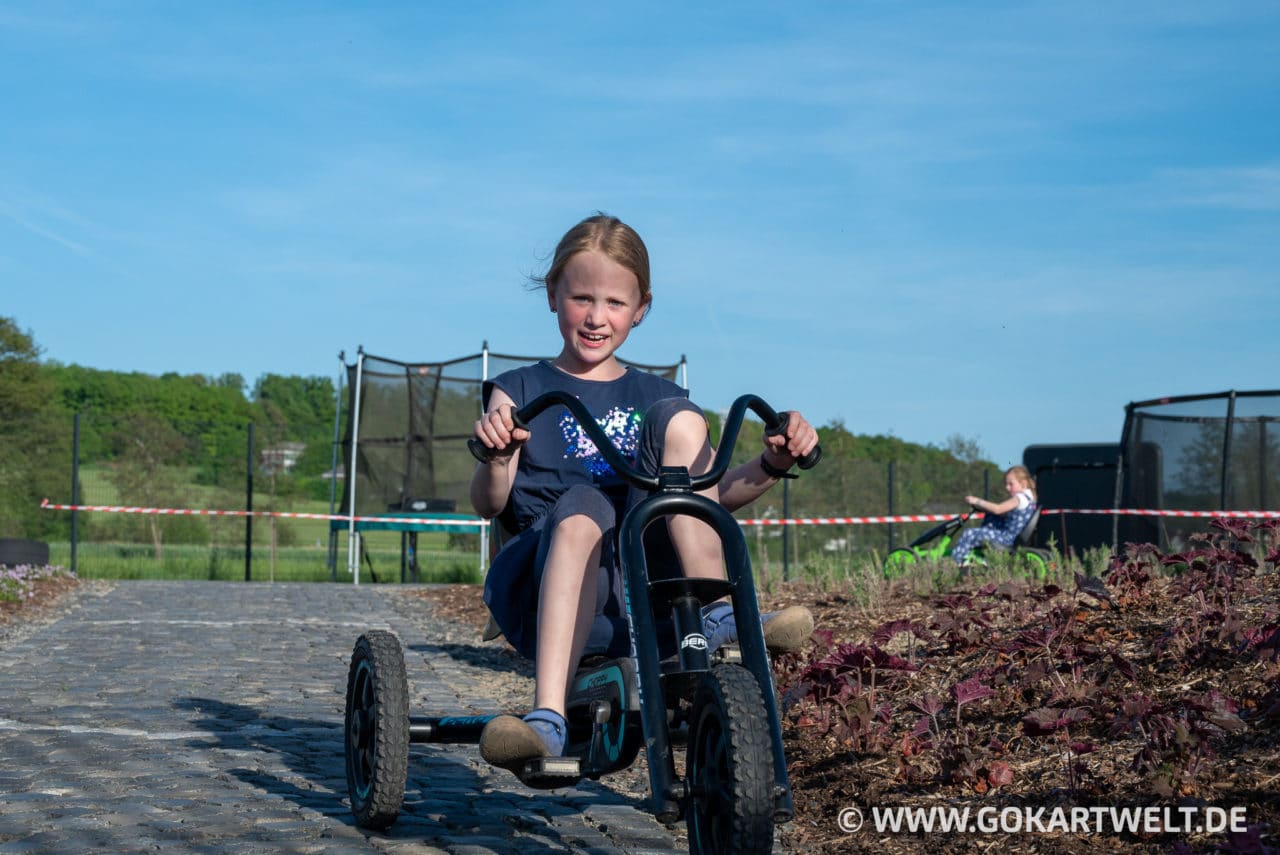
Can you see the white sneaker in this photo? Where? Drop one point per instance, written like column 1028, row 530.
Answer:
column 784, row 631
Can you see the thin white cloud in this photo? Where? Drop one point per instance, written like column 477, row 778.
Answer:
column 1243, row 188
column 28, row 221
column 43, row 23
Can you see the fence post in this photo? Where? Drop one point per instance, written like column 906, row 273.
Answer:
column 333, row 470
column 75, row 479
column 248, row 506
column 786, row 530
column 986, row 483
column 891, row 468
column 1262, row 463
column 1226, row 452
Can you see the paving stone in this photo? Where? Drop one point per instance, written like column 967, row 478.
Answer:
column 207, row 717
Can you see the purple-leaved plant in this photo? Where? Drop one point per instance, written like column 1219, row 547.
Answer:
column 17, row 583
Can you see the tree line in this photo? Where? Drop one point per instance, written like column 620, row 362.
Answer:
column 142, row 427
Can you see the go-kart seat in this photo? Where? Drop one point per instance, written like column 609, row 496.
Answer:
column 1021, row 543
column 1028, row 531
column 1039, row 559
column 498, row 535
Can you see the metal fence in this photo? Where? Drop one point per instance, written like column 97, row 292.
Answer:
column 121, row 468
column 200, row 467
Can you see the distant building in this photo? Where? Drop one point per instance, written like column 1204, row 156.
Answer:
column 282, row 458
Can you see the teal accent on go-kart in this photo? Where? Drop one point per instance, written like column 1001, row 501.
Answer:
column 938, row 542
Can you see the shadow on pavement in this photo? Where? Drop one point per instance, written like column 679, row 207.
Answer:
column 303, row 761
column 488, row 658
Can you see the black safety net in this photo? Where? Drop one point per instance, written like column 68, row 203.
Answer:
column 412, row 424
column 1197, row 453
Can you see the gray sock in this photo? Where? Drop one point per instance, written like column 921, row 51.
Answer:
column 551, row 726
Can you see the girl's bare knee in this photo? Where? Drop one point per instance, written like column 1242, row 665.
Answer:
column 579, row 530
column 685, row 440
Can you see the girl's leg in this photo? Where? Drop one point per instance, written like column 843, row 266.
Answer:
column 685, row 443
column 676, row 435
column 971, row 538
column 968, row 540
column 567, row 566
column 566, row 606
column 964, row 545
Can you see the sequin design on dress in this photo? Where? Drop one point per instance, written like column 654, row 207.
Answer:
column 622, row 426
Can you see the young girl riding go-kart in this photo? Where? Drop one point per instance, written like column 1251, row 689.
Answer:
column 735, row 784
column 1007, row 525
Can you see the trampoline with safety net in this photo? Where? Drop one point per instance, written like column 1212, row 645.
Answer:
column 404, row 445
column 1213, row 452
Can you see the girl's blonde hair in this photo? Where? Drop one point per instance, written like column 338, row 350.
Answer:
column 609, row 235
column 1023, row 475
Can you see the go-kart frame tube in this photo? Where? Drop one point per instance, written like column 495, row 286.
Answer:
column 668, row 797
column 457, row 729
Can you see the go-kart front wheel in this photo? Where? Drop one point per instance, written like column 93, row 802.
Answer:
column 730, row 766
column 377, row 730
column 900, row 562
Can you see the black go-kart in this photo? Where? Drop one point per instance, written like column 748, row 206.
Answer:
column 734, row 786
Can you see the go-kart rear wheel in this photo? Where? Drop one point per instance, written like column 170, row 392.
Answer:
column 730, row 766
column 1037, row 562
column 377, row 730
column 900, row 562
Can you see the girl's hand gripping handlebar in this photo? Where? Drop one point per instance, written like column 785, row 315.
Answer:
column 775, row 424
column 500, row 430
column 809, row 460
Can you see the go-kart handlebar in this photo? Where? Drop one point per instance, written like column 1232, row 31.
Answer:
column 775, row 424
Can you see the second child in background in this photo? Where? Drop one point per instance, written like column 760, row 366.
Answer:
column 1003, row 520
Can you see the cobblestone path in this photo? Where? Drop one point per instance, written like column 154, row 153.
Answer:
column 207, row 717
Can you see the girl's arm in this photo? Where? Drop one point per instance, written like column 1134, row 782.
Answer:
column 491, row 483
column 748, row 481
column 992, row 507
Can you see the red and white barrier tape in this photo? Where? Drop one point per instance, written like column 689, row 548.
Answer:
column 1137, row 512
column 121, row 509
column 942, row 517
column 854, row 520
column 901, row 518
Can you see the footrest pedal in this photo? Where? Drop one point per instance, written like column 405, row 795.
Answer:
column 550, row 773
column 727, row 654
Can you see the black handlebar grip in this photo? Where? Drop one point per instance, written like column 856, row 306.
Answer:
column 781, row 428
column 811, row 459
column 484, row 453
column 479, row 450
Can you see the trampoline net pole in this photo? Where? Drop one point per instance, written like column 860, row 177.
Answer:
column 353, row 538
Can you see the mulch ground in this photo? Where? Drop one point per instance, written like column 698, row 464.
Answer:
column 949, row 717
column 870, row 747
column 45, row 594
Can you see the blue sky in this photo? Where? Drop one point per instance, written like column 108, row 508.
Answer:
column 1000, row 221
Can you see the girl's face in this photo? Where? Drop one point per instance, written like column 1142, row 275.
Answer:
column 597, row 302
column 1011, row 483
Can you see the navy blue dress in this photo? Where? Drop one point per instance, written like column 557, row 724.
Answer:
column 562, row 472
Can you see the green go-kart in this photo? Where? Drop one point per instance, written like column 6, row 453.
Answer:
column 938, row 542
